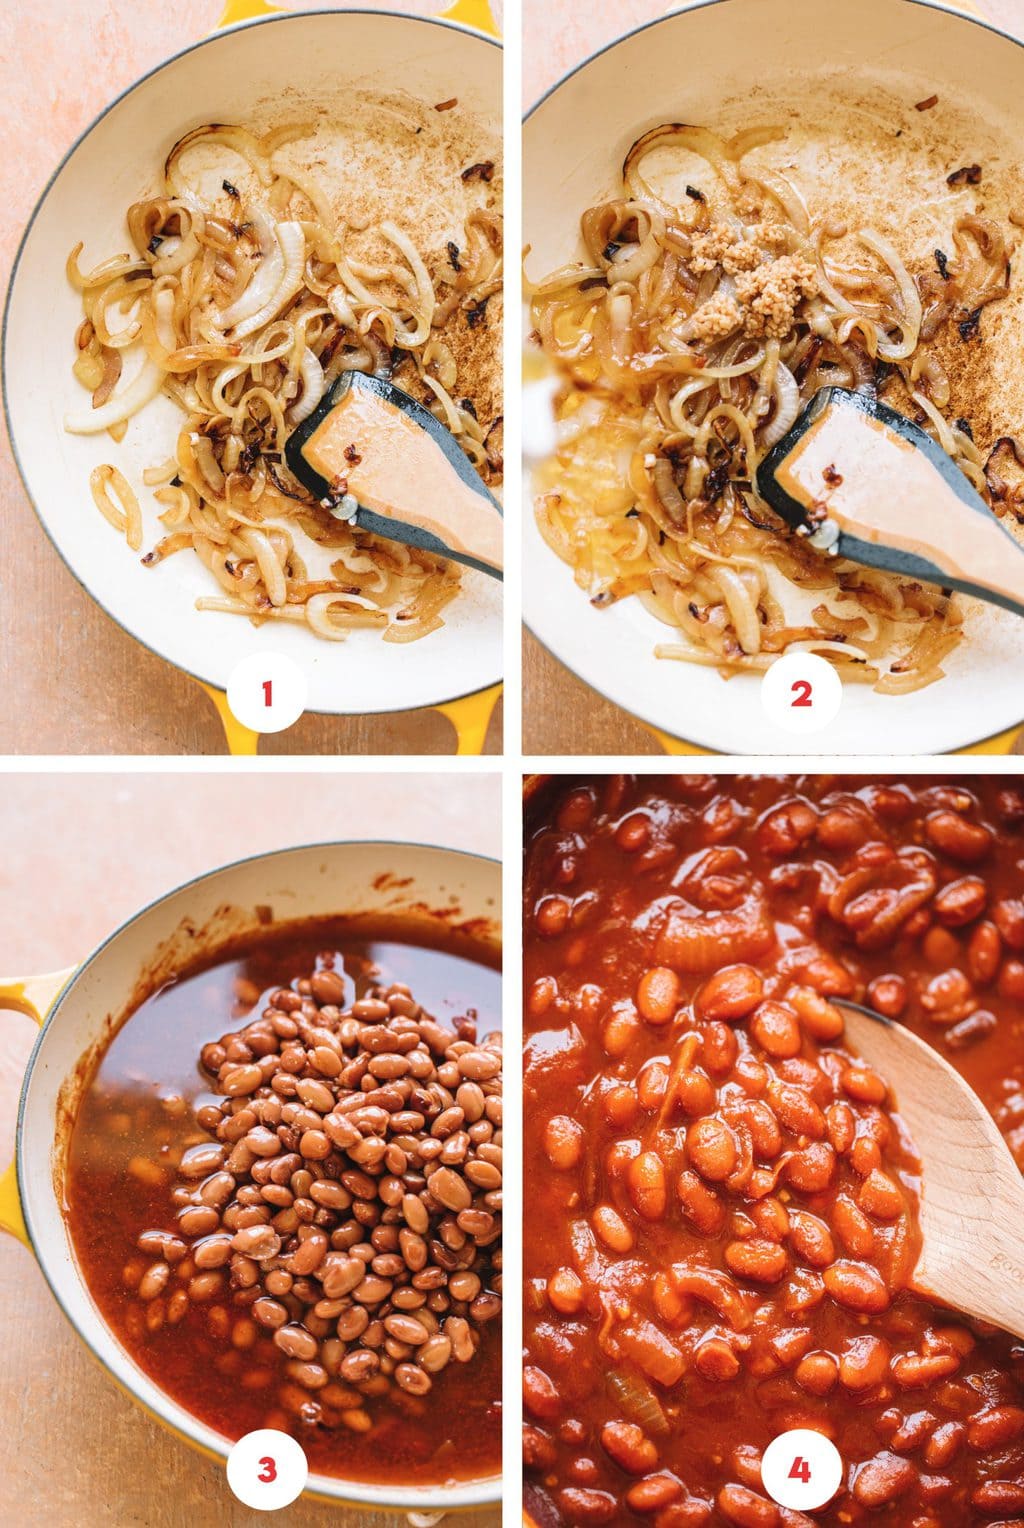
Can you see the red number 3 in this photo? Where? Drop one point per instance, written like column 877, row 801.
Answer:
column 801, row 1469
column 269, row 1471
column 802, row 691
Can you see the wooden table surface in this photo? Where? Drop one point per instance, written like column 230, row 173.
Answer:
column 62, row 62
column 76, row 1452
column 562, row 714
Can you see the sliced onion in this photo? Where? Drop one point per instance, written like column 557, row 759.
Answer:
column 121, row 406
column 787, row 406
column 910, row 299
column 312, row 375
column 266, row 278
column 292, row 245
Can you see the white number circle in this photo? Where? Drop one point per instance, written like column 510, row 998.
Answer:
column 801, row 1469
column 801, row 692
column 267, row 1469
column 267, row 692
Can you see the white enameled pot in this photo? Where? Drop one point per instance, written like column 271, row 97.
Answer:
column 297, row 62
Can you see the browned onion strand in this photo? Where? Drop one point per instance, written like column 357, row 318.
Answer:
column 689, row 337
column 244, row 308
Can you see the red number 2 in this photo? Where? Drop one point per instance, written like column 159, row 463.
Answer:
column 269, row 1469
column 268, row 686
column 801, row 690
column 801, row 1469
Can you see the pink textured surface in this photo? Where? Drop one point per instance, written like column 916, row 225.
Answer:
column 61, row 63
column 81, row 854
column 562, row 36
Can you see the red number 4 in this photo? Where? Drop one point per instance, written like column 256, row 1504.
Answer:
column 801, row 1470
column 269, row 1471
column 268, row 692
column 801, row 690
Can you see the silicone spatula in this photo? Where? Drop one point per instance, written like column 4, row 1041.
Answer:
column 374, row 456
column 862, row 482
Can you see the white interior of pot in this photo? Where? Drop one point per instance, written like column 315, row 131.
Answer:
column 320, row 881
column 730, row 58
column 262, row 74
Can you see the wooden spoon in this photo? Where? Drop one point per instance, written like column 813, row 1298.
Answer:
column 377, row 458
column 972, row 1192
column 863, row 482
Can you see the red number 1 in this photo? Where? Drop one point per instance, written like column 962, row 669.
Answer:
column 801, row 1470
column 801, row 690
column 269, row 1471
column 268, row 692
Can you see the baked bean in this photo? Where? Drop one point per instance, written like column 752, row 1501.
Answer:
column 612, row 1229
column 540, row 1396
column 857, row 1286
column 745, row 1508
column 701, row 1205
column 882, row 1480
column 239, row 1080
column 629, row 1446
column 811, row 1239
column 761, row 1261
column 984, row 951
column 731, row 994
column 647, row 1186
column 269, row 1313
column 776, row 1029
column 154, row 1281
column 963, row 841
column 879, row 1196
column 204, row 1286
column 585, row 1507
column 818, row 1017
column 658, row 995
column 563, row 1143
column 327, row 987
column 715, row 1360
column 449, row 1189
column 999, row 1496
column 309, row 1254
column 864, row 1363
column 817, row 1372
column 296, row 1342
column 995, row 1427
column 812, row 1168
column 654, row 1492
column 713, row 1149
column 914, row 1371
column 212, row 1251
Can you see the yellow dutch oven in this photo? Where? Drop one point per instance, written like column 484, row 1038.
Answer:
column 79, row 1009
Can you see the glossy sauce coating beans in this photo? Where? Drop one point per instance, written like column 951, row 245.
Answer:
column 724, row 1205
column 317, row 1249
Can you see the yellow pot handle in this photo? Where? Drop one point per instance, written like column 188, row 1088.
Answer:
column 471, row 716
column 472, row 13
column 245, row 10
column 243, row 742
column 1002, row 743
column 35, row 996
